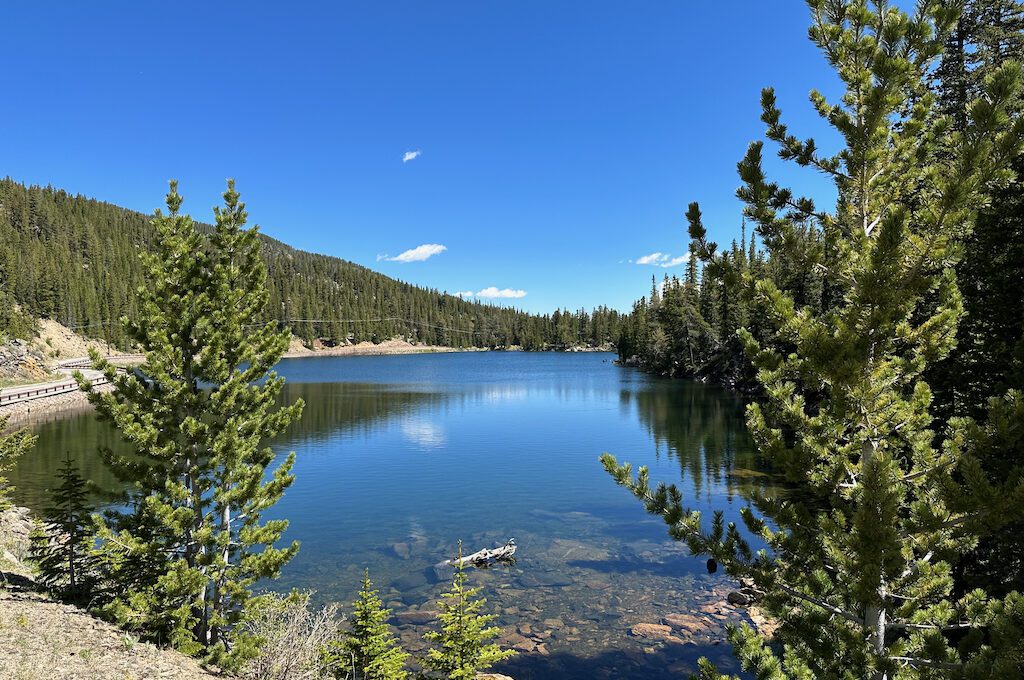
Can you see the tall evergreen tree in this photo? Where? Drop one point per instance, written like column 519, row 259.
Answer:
column 196, row 414
column 62, row 546
column 462, row 643
column 369, row 648
column 989, row 356
column 857, row 565
column 988, row 34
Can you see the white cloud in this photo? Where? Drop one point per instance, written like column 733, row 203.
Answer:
column 660, row 259
column 417, row 254
column 411, row 155
column 493, row 292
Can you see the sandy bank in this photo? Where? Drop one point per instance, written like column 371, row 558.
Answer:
column 388, row 347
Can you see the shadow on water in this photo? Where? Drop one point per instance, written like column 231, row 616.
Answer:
column 81, row 436
column 669, row 661
column 340, row 408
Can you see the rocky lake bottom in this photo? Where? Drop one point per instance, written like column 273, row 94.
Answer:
column 586, row 605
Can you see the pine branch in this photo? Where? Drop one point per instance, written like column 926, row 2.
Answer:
column 916, row 662
column 832, row 609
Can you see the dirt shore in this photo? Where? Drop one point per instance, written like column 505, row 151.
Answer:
column 47, row 640
column 388, row 347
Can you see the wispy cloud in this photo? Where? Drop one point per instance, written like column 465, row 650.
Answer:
column 493, row 292
column 417, row 254
column 411, row 155
column 663, row 259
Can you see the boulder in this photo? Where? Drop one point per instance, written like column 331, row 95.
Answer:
column 738, row 598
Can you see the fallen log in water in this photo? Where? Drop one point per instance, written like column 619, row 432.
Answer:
column 487, row 556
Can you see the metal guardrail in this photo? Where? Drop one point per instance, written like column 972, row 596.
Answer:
column 30, row 393
column 86, row 362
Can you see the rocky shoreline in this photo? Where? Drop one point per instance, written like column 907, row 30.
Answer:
column 582, row 601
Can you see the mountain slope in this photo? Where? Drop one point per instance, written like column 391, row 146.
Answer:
column 75, row 260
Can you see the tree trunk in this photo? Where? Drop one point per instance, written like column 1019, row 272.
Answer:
column 874, row 614
column 218, row 589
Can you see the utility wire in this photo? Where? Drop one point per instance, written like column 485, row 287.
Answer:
column 104, row 324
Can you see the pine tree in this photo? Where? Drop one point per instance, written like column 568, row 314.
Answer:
column 989, row 357
column 369, row 649
column 989, row 33
column 62, row 546
column 12, row 445
column 462, row 641
column 857, row 565
column 197, row 412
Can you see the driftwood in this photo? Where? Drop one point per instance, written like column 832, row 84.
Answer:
column 487, row 556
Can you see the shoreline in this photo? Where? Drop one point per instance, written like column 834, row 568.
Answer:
column 386, row 348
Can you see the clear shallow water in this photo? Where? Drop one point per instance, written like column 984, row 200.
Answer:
column 400, row 457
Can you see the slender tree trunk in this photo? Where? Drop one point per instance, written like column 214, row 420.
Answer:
column 202, row 611
column 875, row 614
column 72, row 576
column 218, row 590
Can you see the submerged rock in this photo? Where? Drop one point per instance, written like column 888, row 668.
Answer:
column 518, row 642
column 414, row 617
column 411, row 581
column 654, row 631
column 684, row 622
column 545, row 580
column 738, row 598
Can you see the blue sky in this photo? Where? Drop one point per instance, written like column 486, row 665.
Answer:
column 556, row 143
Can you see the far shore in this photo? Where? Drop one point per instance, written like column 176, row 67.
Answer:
column 390, row 347
column 386, row 348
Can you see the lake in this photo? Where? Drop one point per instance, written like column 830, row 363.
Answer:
column 400, row 457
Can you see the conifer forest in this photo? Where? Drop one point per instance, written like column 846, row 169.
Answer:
column 794, row 452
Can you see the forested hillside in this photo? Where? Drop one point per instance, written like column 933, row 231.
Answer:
column 894, row 548
column 688, row 327
column 76, row 260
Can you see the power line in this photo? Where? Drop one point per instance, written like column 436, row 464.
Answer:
column 104, row 324
column 389, row 318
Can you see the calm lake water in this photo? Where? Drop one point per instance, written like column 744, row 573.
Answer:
column 400, row 457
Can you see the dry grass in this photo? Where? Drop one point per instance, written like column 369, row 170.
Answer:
column 295, row 637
